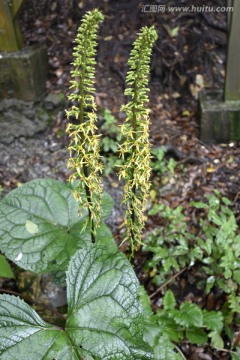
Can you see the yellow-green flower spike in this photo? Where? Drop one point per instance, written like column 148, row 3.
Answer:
column 135, row 148
column 84, row 158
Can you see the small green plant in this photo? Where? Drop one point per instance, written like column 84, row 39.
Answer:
column 109, row 142
column 175, row 245
column 111, row 133
column 44, row 228
column 189, row 321
column 162, row 346
column 219, row 240
column 172, row 324
column 160, row 165
column 171, row 244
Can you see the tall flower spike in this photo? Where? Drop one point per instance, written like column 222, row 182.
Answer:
column 84, row 157
column 135, row 148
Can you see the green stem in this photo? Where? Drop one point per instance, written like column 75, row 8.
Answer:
column 85, row 169
column 134, row 127
column 89, row 200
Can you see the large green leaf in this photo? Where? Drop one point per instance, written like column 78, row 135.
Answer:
column 40, row 228
column 104, row 316
column 104, row 237
column 25, row 336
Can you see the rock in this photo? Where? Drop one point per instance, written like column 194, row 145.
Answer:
column 52, row 101
column 25, row 119
column 15, row 124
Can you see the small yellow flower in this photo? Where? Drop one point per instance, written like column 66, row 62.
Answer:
column 84, row 158
column 135, row 131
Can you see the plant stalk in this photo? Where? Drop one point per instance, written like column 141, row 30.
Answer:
column 134, row 127
column 85, row 168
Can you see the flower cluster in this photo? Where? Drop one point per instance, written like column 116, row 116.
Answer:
column 84, row 144
column 135, row 148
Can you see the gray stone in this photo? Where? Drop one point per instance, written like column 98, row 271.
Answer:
column 220, row 120
column 15, row 124
column 23, row 73
column 15, row 104
column 52, row 101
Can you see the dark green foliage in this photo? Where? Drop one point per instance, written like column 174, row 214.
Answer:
column 104, row 316
column 40, row 226
column 175, row 245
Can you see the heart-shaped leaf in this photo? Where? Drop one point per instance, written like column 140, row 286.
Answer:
column 104, row 315
column 25, row 336
column 103, row 237
column 40, row 228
